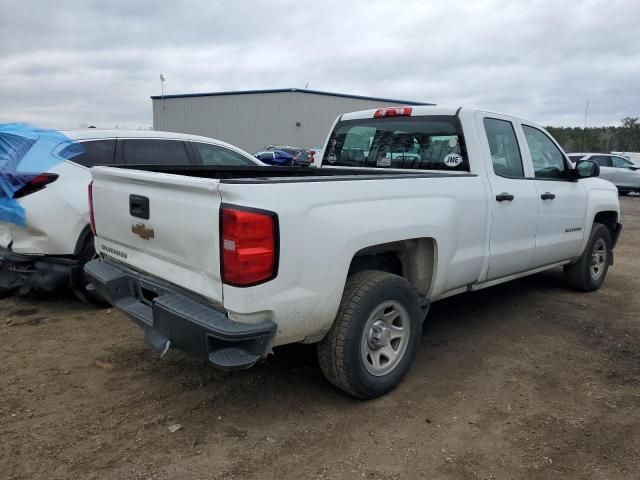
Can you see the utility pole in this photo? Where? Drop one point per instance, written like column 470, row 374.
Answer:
column 162, row 89
column 584, row 129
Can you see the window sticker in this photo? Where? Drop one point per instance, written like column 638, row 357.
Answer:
column 452, row 160
column 383, row 162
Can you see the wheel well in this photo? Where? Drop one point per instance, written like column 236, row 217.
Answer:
column 82, row 239
column 383, row 261
column 608, row 219
column 412, row 259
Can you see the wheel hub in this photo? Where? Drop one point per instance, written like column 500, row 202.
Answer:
column 385, row 337
column 379, row 335
column 598, row 259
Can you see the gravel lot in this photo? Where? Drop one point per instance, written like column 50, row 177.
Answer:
column 524, row 380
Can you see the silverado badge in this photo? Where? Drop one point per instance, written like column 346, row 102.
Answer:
column 142, row 231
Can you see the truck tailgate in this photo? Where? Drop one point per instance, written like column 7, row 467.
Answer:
column 179, row 239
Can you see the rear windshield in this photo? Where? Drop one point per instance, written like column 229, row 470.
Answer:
column 426, row 143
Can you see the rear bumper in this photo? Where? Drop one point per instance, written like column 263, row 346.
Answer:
column 173, row 318
column 26, row 272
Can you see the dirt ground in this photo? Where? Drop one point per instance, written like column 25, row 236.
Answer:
column 524, row 380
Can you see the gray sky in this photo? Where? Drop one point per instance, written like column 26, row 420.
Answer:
column 65, row 64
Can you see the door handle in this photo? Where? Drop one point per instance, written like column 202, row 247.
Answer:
column 504, row 197
column 547, row 196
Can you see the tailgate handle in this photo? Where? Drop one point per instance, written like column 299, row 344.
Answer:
column 139, row 206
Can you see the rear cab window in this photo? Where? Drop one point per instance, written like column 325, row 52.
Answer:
column 428, row 142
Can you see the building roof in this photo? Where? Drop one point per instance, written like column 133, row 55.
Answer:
column 287, row 90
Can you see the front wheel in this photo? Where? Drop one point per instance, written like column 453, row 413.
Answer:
column 589, row 272
column 375, row 335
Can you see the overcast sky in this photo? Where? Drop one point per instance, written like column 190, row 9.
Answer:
column 73, row 63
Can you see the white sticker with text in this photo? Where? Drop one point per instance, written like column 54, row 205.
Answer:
column 452, row 160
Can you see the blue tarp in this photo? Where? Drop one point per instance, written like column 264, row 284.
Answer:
column 25, row 152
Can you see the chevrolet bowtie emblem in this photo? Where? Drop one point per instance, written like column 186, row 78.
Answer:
column 142, row 231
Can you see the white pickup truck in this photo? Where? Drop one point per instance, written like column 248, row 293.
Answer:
column 411, row 205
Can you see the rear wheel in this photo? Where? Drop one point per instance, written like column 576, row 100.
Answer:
column 375, row 335
column 79, row 288
column 589, row 272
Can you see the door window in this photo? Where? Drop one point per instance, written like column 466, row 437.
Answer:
column 548, row 160
column 216, row 155
column 620, row 162
column 93, row 152
column 602, row 160
column 503, row 144
column 155, row 152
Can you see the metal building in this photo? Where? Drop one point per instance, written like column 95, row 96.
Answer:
column 255, row 118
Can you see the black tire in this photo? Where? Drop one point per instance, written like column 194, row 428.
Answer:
column 582, row 275
column 79, row 287
column 340, row 353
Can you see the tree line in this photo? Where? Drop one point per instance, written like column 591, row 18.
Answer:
column 625, row 138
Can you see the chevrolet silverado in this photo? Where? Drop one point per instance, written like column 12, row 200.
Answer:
column 410, row 205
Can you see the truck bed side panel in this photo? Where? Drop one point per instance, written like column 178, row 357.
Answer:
column 323, row 225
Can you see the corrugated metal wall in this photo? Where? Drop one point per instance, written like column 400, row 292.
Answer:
column 252, row 121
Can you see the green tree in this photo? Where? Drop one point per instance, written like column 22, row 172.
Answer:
column 631, row 128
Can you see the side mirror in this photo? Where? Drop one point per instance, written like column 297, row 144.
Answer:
column 586, row 169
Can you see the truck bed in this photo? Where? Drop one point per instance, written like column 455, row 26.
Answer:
column 322, row 223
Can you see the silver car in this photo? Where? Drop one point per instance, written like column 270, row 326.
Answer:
column 623, row 173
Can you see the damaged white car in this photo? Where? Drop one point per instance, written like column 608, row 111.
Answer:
column 45, row 238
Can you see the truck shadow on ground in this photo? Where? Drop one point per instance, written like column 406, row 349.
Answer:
column 294, row 370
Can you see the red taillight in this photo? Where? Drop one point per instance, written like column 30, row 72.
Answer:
column 91, row 219
column 35, row 183
column 43, row 179
column 392, row 112
column 312, row 157
column 248, row 241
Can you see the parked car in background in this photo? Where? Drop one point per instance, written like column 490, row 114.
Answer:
column 633, row 156
column 278, row 158
column 316, row 156
column 301, row 156
column 620, row 171
column 50, row 251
